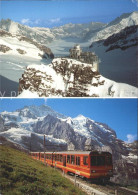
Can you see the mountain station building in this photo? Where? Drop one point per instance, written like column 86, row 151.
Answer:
column 85, row 57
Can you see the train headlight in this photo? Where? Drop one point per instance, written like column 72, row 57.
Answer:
column 93, row 171
column 110, row 172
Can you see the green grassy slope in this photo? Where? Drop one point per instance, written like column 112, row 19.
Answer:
column 22, row 175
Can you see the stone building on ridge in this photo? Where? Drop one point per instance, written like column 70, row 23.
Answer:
column 85, row 57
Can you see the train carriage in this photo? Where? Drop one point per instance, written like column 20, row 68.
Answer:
column 89, row 164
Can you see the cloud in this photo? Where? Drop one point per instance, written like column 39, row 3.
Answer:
column 135, row 2
column 38, row 22
column 27, row 21
column 55, row 20
column 131, row 138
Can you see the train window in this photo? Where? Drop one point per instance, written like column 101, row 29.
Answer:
column 93, row 160
column 68, row 159
column 77, row 160
column 60, row 158
column 72, row 159
column 108, row 160
column 50, row 156
column 57, row 157
column 97, row 160
column 85, row 160
column 42, row 155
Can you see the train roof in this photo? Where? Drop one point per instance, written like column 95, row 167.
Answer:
column 77, row 152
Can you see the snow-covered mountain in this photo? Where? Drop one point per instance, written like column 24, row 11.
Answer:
column 66, row 77
column 28, row 125
column 76, row 30
column 120, row 23
column 46, row 35
column 43, row 120
column 32, row 33
column 116, row 45
column 20, row 45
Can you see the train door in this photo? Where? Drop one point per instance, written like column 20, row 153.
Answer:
column 64, row 161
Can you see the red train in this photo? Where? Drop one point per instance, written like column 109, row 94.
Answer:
column 92, row 165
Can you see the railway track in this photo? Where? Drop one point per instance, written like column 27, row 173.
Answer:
column 98, row 189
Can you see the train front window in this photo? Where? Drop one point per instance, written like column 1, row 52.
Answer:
column 93, row 160
column 97, row 160
column 108, row 160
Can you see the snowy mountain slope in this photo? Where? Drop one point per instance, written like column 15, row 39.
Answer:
column 76, row 30
column 17, row 52
column 67, row 77
column 18, row 125
column 27, row 116
column 19, row 45
column 116, row 26
column 16, row 47
column 118, row 54
column 43, row 120
column 22, row 30
column 46, row 35
column 19, row 136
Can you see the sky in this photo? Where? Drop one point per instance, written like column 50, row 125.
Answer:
column 50, row 13
column 119, row 114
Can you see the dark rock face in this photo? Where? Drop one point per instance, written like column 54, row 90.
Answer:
column 122, row 35
column 20, row 51
column 4, row 48
column 58, row 129
column 1, row 124
column 4, row 33
column 123, row 40
column 35, row 143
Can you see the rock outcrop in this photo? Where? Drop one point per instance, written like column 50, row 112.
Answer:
column 66, row 77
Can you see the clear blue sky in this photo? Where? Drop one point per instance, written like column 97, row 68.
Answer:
column 58, row 12
column 119, row 114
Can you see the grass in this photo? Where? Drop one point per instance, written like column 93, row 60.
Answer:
column 22, row 175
